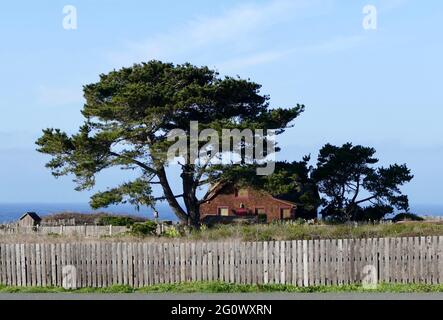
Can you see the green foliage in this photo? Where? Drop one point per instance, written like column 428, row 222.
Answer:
column 171, row 232
column 144, row 229
column 344, row 173
column 407, row 217
column 116, row 221
column 262, row 218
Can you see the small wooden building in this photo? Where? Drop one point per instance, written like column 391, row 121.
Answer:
column 226, row 200
column 29, row 219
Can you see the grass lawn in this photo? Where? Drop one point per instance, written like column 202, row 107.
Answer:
column 269, row 232
column 218, row 287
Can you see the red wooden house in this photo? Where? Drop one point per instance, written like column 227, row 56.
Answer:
column 226, row 200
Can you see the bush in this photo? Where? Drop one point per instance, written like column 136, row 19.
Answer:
column 262, row 218
column 171, row 232
column 116, row 221
column 407, row 217
column 144, row 229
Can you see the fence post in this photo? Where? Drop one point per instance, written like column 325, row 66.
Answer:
column 110, row 230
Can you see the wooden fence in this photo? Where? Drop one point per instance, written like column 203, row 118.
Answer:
column 80, row 230
column 301, row 263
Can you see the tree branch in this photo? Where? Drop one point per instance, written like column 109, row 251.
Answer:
column 357, row 190
column 164, row 198
column 139, row 163
column 366, row 199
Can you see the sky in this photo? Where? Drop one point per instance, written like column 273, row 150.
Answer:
column 377, row 87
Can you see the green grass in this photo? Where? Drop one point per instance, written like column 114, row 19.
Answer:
column 219, row 287
column 269, row 232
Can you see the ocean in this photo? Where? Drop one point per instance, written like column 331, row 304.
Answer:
column 12, row 211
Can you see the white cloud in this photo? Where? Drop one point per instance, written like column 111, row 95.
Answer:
column 231, row 27
column 231, row 37
column 336, row 44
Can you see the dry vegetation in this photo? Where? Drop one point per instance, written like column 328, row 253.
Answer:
column 87, row 218
column 261, row 232
column 320, row 231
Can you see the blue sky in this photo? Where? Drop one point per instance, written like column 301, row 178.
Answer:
column 380, row 87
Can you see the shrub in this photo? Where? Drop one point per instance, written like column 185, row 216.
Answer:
column 144, row 229
column 262, row 218
column 171, row 232
column 407, row 217
column 116, row 221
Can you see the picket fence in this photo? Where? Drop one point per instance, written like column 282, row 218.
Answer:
column 300, row 263
column 80, row 230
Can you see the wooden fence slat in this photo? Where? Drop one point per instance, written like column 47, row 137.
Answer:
column 440, row 259
column 267, row 256
column 237, row 258
column 248, row 262
column 305, row 264
column 428, row 260
column 259, row 259
column 144, row 249
column 109, row 264
column 231, row 262
column 8, row 265
column 182, row 263
column 294, row 262
column 2, row 264
column 316, row 262
column 345, row 256
column 243, row 262
column 282, row 257
column 18, row 264
column 434, row 266
column 33, row 265
column 423, row 258
column 276, row 259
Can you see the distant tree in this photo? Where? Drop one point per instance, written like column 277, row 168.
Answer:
column 128, row 115
column 290, row 181
column 353, row 188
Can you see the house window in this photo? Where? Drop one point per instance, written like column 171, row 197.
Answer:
column 260, row 211
column 223, row 211
column 285, row 213
column 242, row 193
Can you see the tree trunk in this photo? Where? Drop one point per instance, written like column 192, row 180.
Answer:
column 189, row 196
column 169, row 195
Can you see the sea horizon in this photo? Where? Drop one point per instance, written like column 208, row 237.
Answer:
column 10, row 212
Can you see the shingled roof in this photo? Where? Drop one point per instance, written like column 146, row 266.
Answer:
column 33, row 215
column 216, row 188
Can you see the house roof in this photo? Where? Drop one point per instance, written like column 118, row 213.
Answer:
column 215, row 189
column 33, row 215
